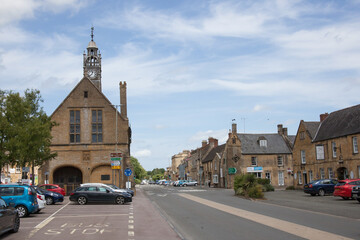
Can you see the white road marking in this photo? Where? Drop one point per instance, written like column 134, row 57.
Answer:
column 285, row 226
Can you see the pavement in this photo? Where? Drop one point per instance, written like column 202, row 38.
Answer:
column 149, row 223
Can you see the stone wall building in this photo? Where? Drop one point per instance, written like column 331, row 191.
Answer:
column 329, row 148
column 176, row 160
column 89, row 129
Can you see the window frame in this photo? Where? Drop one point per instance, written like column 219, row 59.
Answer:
column 75, row 126
column 280, row 158
column 355, row 145
column 320, row 155
column 333, row 149
column 255, row 159
column 303, row 156
column 97, row 126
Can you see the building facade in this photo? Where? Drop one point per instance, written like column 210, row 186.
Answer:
column 89, row 130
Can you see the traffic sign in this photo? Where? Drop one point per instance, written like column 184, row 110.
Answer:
column 115, row 165
column 116, row 156
column 232, row 170
column 128, row 172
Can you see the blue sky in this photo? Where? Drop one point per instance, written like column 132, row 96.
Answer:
column 191, row 66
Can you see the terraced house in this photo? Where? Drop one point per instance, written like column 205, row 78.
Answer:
column 265, row 155
column 328, row 148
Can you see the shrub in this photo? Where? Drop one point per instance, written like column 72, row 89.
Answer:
column 290, row 188
column 263, row 181
column 268, row 188
column 255, row 192
column 137, row 181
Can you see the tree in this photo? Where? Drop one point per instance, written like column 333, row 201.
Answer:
column 139, row 171
column 28, row 130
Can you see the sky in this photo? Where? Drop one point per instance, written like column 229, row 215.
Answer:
column 191, row 67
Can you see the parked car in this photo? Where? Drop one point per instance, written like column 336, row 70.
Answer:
column 355, row 193
column 344, row 187
column 53, row 188
column 320, row 187
column 24, row 198
column 9, row 217
column 41, row 200
column 114, row 187
column 190, row 183
column 51, row 197
column 83, row 195
column 180, row 183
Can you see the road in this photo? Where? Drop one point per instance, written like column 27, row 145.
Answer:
column 197, row 213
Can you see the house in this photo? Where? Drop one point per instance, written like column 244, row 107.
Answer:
column 333, row 151
column 266, row 155
column 211, row 163
column 92, row 138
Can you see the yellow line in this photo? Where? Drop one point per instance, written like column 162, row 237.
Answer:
column 292, row 228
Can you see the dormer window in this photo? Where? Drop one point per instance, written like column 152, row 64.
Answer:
column 262, row 141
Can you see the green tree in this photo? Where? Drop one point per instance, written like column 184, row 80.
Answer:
column 29, row 128
column 139, row 171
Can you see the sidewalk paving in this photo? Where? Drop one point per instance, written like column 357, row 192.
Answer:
column 148, row 222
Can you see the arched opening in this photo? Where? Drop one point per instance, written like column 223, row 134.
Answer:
column 68, row 178
column 103, row 174
column 342, row 173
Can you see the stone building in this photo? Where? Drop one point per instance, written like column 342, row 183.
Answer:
column 211, row 163
column 329, row 148
column 89, row 129
column 176, row 160
column 265, row 155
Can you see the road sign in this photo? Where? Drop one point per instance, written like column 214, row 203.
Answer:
column 232, row 170
column 116, row 156
column 128, row 172
column 115, row 165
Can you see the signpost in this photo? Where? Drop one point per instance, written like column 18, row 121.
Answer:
column 116, row 160
column 232, row 171
column 128, row 172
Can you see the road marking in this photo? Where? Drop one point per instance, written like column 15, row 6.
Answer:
column 285, row 226
column 93, row 215
column 192, row 190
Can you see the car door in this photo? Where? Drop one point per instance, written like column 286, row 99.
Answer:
column 105, row 195
column 5, row 216
column 92, row 194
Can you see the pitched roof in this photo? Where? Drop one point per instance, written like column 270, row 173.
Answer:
column 312, row 128
column 340, row 123
column 275, row 144
column 212, row 153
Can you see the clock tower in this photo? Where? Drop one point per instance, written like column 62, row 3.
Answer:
column 92, row 62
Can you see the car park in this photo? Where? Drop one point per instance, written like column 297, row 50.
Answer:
column 86, row 194
column 344, row 188
column 320, row 187
column 9, row 217
column 24, row 198
column 53, row 188
column 51, row 197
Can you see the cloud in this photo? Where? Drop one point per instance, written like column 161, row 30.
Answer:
column 221, row 135
column 142, row 153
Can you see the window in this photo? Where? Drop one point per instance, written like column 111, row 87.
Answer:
column 331, row 173
column 320, row 152
column 280, row 161
column 2, row 203
column 102, row 189
column 215, row 179
column 322, row 173
column 263, row 143
column 281, row 178
column 258, row 174
column 85, row 94
column 253, row 161
column 311, row 176
column 74, row 126
column 268, row 176
column 355, row 145
column 300, row 177
column 96, row 126
column 302, row 135
column 18, row 169
column 333, row 147
column 302, row 156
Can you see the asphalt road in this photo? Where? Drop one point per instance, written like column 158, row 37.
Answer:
column 209, row 214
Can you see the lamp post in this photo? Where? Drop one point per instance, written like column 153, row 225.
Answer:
column 116, row 146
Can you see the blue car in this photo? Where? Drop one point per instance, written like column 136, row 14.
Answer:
column 320, row 187
column 24, row 198
column 50, row 197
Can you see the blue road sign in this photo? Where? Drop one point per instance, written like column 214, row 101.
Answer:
column 128, row 172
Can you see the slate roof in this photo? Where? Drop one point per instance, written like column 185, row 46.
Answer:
column 340, row 123
column 212, row 153
column 275, row 144
column 312, row 128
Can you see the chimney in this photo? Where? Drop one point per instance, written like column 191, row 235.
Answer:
column 323, row 116
column 213, row 142
column 203, row 143
column 285, row 132
column 280, row 129
column 233, row 126
column 123, row 104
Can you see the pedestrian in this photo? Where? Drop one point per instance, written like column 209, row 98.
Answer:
column 209, row 183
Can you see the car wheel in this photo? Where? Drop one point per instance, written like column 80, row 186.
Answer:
column 120, row 200
column 16, row 224
column 345, row 198
column 22, row 211
column 82, row 200
column 321, row 192
column 49, row 201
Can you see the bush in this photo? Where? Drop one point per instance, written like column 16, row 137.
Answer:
column 137, row 181
column 263, row 181
column 268, row 188
column 290, row 188
column 255, row 192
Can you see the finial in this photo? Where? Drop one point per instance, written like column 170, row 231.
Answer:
column 92, row 33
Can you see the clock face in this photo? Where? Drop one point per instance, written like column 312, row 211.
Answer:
column 92, row 73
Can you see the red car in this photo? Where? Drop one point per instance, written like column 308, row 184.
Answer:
column 344, row 187
column 53, row 188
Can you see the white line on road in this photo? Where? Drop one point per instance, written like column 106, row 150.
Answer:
column 285, row 226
